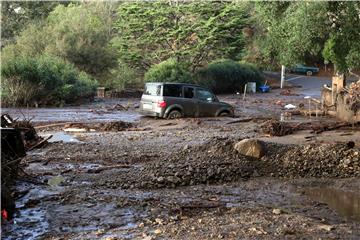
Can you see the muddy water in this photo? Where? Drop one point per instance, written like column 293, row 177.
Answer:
column 347, row 204
column 63, row 137
column 70, row 114
column 30, row 219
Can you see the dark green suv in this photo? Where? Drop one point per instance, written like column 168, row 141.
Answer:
column 176, row 100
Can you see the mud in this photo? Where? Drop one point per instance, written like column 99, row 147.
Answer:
column 181, row 179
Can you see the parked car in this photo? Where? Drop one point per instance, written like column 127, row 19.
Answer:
column 176, row 100
column 302, row 69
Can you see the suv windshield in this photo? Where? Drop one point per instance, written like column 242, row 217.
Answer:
column 152, row 89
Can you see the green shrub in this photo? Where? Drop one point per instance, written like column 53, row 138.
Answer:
column 169, row 71
column 43, row 79
column 123, row 77
column 227, row 76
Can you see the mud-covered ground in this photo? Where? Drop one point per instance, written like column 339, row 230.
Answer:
column 182, row 179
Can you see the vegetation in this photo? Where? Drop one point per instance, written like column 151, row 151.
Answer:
column 197, row 32
column 43, row 80
column 169, row 71
column 122, row 77
column 227, row 76
column 121, row 43
column 286, row 33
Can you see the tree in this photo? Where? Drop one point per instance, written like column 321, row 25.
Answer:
column 80, row 34
column 343, row 44
column 16, row 15
column 292, row 32
column 169, row 71
column 195, row 32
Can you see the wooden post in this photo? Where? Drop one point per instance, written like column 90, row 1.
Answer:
column 282, row 76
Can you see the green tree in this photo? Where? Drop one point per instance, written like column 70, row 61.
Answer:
column 169, row 71
column 195, row 32
column 287, row 33
column 80, row 34
column 343, row 44
column 16, row 15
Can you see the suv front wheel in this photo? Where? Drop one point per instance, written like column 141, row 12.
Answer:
column 174, row 114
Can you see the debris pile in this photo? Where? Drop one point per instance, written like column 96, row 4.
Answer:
column 16, row 138
column 279, row 128
column 217, row 161
column 354, row 96
column 28, row 133
column 115, row 126
column 316, row 160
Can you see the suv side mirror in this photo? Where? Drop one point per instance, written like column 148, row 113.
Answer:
column 210, row 99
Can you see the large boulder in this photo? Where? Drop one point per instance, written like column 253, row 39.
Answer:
column 250, row 147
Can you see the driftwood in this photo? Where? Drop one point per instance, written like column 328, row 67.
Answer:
column 52, row 125
column 278, row 128
column 247, row 120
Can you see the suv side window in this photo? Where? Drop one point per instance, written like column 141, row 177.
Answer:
column 188, row 92
column 204, row 95
column 172, row 90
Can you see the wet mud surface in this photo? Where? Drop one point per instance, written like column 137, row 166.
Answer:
column 182, row 179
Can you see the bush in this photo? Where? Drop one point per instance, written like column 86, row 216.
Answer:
column 169, row 71
column 43, row 79
column 123, row 77
column 227, row 76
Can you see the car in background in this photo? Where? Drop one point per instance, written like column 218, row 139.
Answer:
column 176, row 100
column 302, row 69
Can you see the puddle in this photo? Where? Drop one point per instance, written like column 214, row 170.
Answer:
column 347, row 204
column 29, row 222
column 63, row 137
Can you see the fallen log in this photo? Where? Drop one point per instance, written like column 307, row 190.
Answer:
column 40, row 143
column 52, row 125
column 247, row 120
column 278, row 128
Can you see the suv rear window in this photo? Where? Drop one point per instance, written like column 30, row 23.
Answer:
column 152, row 89
column 172, row 90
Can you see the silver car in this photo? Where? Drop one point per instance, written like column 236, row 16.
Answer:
column 176, row 100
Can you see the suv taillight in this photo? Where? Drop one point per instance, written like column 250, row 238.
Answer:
column 162, row 104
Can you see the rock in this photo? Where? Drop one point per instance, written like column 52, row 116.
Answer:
column 326, row 227
column 157, row 231
column 276, row 211
column 250, row 147
column 159, row 221
column 160, row 179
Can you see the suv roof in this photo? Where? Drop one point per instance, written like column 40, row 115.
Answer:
column 172, row 83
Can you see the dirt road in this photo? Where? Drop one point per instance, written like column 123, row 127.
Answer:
column 182, row 179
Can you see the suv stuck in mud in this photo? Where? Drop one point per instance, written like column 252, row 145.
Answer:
column 176, row 100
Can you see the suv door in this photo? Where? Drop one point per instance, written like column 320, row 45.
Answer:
column 189, row 102
column 208, row 104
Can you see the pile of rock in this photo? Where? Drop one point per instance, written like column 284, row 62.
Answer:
column 326, row 160
column 225, row 160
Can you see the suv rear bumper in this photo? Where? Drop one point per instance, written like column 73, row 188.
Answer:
column 150, row 113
